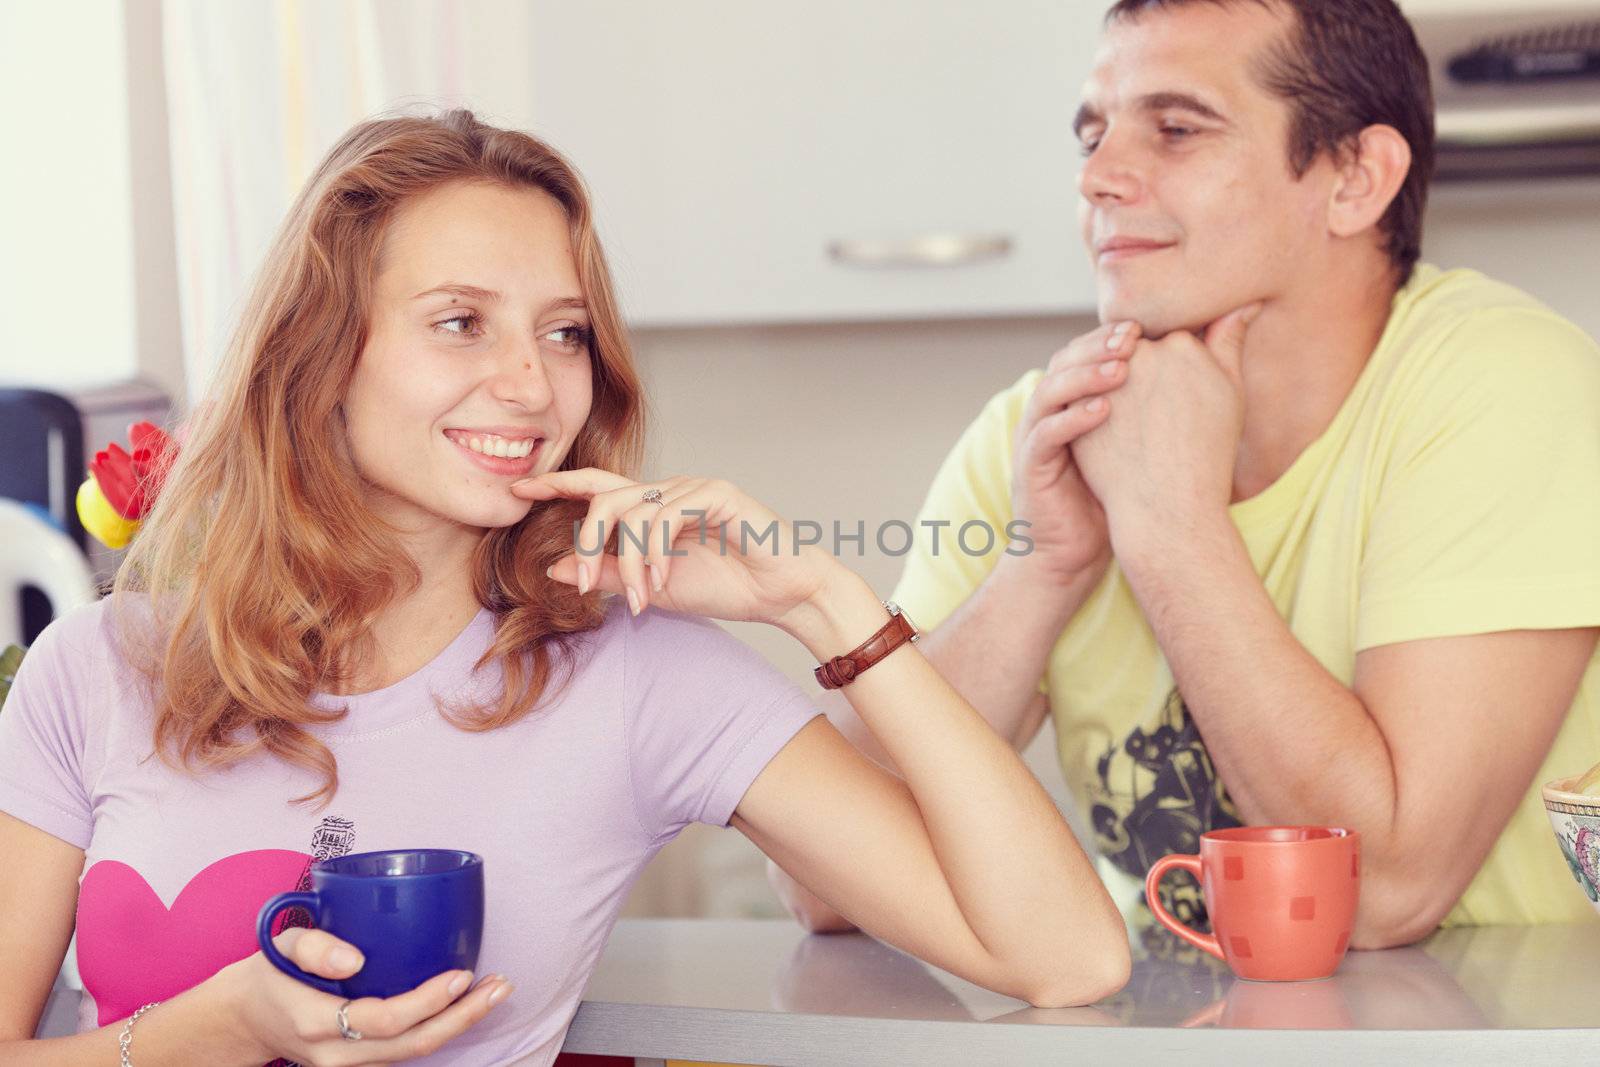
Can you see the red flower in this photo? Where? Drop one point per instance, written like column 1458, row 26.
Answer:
column 130, row 483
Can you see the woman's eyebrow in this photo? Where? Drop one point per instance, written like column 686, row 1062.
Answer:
column 491, row 296
column 470, row 292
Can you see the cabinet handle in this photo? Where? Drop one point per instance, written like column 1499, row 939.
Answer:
column 931, row 250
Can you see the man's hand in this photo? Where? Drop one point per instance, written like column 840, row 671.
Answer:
column 1067, row 524
column 1169, row 450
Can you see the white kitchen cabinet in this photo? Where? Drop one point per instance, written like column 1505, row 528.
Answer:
column 756, row 161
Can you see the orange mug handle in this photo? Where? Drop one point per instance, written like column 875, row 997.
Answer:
column 1204, row 942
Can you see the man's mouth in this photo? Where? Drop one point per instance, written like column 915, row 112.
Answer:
column 1119, row 248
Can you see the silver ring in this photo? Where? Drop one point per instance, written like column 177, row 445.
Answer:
column 653, row 496
column 344, row 1024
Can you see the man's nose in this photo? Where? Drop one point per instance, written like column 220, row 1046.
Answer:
column 1111, row 174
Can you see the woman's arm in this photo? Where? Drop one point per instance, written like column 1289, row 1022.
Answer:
column 965, row 863
column 245, row 1014
column 38, row 899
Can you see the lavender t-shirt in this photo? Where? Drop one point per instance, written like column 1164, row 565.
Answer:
column 666, row 721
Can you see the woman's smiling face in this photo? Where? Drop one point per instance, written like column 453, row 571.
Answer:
column 476, row 370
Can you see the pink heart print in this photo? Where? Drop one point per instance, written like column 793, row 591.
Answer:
column 133, row 949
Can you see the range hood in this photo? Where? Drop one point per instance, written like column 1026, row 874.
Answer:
column 1517, row 93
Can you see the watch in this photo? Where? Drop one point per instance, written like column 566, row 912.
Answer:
column 842, row 670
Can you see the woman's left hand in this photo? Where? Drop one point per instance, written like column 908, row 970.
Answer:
column 708, row 549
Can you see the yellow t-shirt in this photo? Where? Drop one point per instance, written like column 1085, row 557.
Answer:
column 1457, row 491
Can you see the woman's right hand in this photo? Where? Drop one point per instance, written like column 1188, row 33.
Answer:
column 1066, row 522
column 283, row 1017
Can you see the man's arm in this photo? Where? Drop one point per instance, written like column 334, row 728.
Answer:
column 1425, row 724
column 1487, row 506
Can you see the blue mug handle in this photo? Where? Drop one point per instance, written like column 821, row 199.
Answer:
column 269, row 911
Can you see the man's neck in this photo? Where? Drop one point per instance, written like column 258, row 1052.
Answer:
column 1302, row 357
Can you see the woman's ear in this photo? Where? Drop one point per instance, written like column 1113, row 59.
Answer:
column 1373, row 168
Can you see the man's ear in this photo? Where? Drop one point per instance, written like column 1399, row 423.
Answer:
column 1371, row 171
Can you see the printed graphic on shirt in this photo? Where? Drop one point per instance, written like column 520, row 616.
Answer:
column 133, row 948
column 1154, row 795
column 333, row 836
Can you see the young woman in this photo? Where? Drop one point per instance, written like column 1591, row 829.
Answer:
column 357, row 619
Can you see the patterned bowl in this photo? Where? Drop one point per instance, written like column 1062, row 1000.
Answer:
column 1576, row 819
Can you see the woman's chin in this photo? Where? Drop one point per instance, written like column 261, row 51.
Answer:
column 504, row 514
column 486, row 515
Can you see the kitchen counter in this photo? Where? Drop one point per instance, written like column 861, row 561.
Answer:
column 763, row 992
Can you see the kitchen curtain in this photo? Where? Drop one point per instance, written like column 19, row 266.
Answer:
column 257, row 92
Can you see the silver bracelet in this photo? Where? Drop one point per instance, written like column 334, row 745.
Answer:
column 125, row 1039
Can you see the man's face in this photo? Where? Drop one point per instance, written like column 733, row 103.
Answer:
column 1189, row 208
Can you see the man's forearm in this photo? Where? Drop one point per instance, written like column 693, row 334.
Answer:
column 993, row 650
column 1292, row 743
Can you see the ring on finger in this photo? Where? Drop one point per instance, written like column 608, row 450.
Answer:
column 344, row 1023
column 653, row 496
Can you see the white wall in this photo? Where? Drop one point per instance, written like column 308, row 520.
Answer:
column 67, row 297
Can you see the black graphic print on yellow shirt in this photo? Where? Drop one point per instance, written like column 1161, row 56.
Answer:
column 1155, row 795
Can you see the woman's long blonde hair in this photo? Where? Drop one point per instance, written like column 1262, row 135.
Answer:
column 262, row 565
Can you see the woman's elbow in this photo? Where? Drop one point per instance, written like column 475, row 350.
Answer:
column 1096, row 978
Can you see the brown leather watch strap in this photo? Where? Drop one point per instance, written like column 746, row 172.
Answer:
column 842, row 670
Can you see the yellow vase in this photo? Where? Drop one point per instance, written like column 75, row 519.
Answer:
column 102, row 520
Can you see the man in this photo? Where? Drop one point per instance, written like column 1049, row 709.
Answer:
column 1316, row 529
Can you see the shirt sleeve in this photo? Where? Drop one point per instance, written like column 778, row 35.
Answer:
column 705, row 715
column 970, row 499
column 42, row 742
column 1488, row 514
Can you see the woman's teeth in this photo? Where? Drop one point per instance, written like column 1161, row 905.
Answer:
column 499, row 446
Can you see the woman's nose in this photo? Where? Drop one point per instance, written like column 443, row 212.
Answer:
column 521, row 378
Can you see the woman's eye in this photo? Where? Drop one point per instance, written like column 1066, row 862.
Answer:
column 570, row 336
column 470, row 325
column 1177, row 133
column 1087, row 147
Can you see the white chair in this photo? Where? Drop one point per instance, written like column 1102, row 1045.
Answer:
column 33, row 552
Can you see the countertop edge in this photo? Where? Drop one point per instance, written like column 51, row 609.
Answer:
column 797, row 1040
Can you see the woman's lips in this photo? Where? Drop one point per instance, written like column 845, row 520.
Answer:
column 502, row 465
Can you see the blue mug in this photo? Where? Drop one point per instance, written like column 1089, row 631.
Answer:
column 413, row 913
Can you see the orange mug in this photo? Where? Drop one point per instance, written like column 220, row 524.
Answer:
column 1282, row 899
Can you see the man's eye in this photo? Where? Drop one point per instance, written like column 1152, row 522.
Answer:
column 1177, row 133
column 469, row 321
column 1087, row 146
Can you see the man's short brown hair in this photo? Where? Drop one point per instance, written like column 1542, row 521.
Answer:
column 1347, row 65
